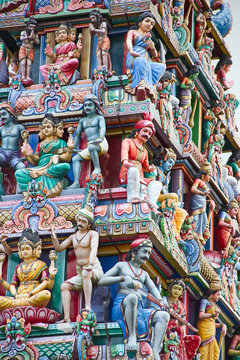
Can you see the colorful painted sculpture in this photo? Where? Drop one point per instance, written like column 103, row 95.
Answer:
column 85, row 244
column 188, row 344
column 134, row 158
column 164, row 160
column 30, row 280
column 64, row 56
column 185, row 95
column 94, row 126
column 234, row 348
column 208, row 314
column 228, row 275
column 3, row 66
column 128, row 309
column 99, row 27
column 198, row 202
column 201, row 28
column 29, row 38
column 141, row 49
column 50, row 160
column 10, row 133
column 223, row 66
column 211, row 122
column 225, row 231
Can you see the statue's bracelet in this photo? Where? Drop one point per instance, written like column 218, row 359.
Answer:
column 213, row 316
column 1, row 281
column 51, row 278
column 122, row 278
column 30, row 294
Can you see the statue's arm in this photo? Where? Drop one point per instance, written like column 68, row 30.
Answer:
column 102, row 127
column 232, row 349
column 151, row 287
column 94, row 247
column 78, row 133
column 6, row 248
column 64, row 245
column 40, row 287
column 102, row 30
column 112, row 276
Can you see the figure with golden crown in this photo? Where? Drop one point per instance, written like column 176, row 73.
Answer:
column 31, row 280
column 85, row 244
column 64, row 56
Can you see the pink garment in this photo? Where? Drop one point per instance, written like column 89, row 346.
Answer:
column 64, row 65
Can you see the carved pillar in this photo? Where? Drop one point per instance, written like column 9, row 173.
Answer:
column 86, row 54
column 51, row 42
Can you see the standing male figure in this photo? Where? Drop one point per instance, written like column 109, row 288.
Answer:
column 135, row 319
column 94, row 126
column 10, row 133
column 29, row 37
column 99, row 27
column 134, row 158
column 85, row 244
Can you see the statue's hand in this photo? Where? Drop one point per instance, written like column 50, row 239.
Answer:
column 128, row 281
column 26, row 149
column 55, row 159
column 71, row 54
column 134, row 54
column 52, row 271
column 48, row 51
column 53, row 234
column 224, row 329
column 70, row 143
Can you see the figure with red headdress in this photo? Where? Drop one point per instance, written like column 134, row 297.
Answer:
column 135, row 318
column 134, row 158
column 10, row 133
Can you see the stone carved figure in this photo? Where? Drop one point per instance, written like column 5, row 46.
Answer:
column 31, row 280
column 208, row 314
column 222, row 68
column 134, row 158
column 185, row 95
column 141, row 49
column 128, row 309
column 50, row 159
column 3, row 66
column 234, row 348
column 29, row 37
column 85, row 244
column 10, row 133
column 198, row 201
column 188, row 344
column 64, row 56
column 94, row 126
column 99, row 27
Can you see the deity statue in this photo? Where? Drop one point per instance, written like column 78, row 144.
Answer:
column 29, row 37
column 228, row 275
column 188, row 344
column 225, row 230
column 223, row 66
column 185, row 95
column 234, row 348
column 94, row 126
column 128, row 309
column 85, row 244
column 201, row 27
column 50, row 159
column 30, row 280
column 211, row 122
column 134, row 158
column 99, row 27
column 141, row 49
column 164, row 160
column 234, row 164
column 64, row 56
column 10, row 133
column 198, row 202
column 3, row 66
column 208, row 314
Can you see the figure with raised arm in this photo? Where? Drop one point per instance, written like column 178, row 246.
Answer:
column 208, row 314
column 64, row 57
column 94, row 126
column 85, row 244
column 222, row 68
column 99, row 27
column 50, row 159
column 31, row 279
column 10, row 133
column 134, row 158
column 145, row 73
column 128, row 309
column 29, row 37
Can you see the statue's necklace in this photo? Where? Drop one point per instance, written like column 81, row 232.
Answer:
column 27, row 269
column 8, row 132
column 79, row 240
column 137, row 276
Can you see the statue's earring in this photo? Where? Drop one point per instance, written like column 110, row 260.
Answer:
column 133, row 257
column 89, row 226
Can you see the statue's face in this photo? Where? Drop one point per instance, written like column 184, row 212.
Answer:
column 143, row 254
column 5, row 116
column 26, row 251
column 233, row 213
column 176, row 291
column 216, row 296
column 62, row 35
column 144, row 134
column 31, row 27
column 207, row 177
column 38, row 251
column 48, row 129
column 168, row 165
column 82, row 223
column 60, row 131
column 89, row 107
column 93, row 19
column 147, row 24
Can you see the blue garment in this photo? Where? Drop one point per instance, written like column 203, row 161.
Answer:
column 141, row 67
column 144, row 317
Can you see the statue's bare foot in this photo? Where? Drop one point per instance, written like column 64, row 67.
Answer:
column 73, row 186
column 132, row 343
